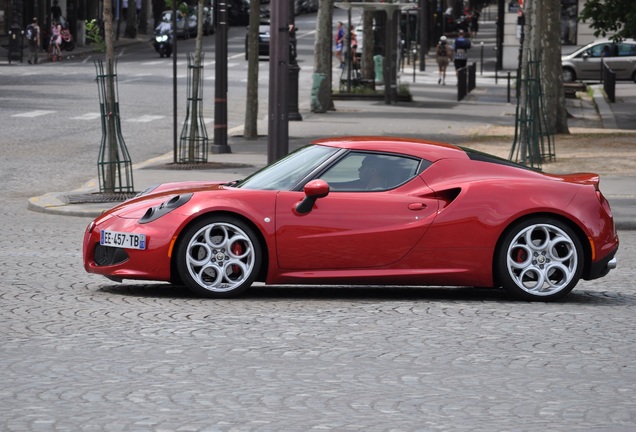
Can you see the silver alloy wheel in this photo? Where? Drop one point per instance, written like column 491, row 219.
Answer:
column 220, row 257
column 542, row 259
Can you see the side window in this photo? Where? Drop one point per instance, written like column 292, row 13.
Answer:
column 596, row 50
column 626, row 50
column 361, row 171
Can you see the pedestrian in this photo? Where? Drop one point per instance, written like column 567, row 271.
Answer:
column 56, row 39
column 460, row 48
column 340, row 34
column 354, row 46
column 474, row 24
column 56, row 13
column 33, row 38
column 443, row 54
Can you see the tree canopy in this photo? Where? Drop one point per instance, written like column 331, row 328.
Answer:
column 616, row 17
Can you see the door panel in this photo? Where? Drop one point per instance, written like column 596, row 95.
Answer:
column 353, row 229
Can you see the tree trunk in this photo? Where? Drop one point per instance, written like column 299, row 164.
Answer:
column 321, row 91
column 251, row 102
column 110, row 177
column 550, row 41
column 195, row 133
column 367, row 46
column 131, row 20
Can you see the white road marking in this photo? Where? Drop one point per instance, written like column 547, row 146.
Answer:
column 145, row 118
column 87, row 116
column 36, row 113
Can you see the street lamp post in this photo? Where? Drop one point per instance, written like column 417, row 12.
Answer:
column 278, row 130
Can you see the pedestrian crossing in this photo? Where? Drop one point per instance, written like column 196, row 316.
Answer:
column 93, row 116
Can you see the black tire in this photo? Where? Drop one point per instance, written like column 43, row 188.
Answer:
column 568, row 75
column 539, row 259
column 219, row 257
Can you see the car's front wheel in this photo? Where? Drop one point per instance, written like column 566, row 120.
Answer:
column 540, row 259
column 219, row 257
column 568, row 75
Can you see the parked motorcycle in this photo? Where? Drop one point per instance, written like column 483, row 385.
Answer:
column 163, row 39
column 67, row 40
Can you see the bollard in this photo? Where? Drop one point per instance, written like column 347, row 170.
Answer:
column 414, row 62
column 508, row 87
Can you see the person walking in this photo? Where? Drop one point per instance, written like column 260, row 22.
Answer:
column 33, row 39
column 443, row 55
column 340, row 36
column 460, row 47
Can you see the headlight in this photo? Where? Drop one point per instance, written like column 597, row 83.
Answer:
column 154, row 213
column 161, row 38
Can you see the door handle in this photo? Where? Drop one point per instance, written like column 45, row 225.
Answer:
column 417, row 206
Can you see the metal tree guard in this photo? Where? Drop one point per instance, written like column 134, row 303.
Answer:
column 529, row 147
column 113, row 165
column 193, row 145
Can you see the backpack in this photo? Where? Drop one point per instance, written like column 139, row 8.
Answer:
column 441, row 50
column 31, row 33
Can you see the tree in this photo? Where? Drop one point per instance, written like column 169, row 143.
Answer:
column 251, row 102
column 539, row 74
column 196, row 129
column 321, row 93
column 549, row 46
column 542, row 43
column 368, row 46
column 131, row 20
column 611, row 16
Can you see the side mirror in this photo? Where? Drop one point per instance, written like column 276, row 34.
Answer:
column 313, row 190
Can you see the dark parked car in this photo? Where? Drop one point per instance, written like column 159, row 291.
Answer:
column 238, row 12
column 263, row 41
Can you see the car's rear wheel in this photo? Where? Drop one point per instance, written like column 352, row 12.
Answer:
column 568, row 75
column 540, row 259
column 219, row 257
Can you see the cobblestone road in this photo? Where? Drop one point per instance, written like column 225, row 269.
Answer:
column 79, row 353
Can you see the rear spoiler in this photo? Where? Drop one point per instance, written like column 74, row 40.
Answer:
column 581, row 178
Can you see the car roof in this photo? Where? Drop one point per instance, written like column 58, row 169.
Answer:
column 429, row 150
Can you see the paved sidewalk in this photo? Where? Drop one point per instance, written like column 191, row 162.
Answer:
column 434, row 114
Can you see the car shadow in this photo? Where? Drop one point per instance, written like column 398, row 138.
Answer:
column 367, row 293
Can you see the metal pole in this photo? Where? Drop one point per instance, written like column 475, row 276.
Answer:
column 220, row 84
column 294, row 69
column 278, row 136
column 175, row 138
column 481, row 63
column 423, row 32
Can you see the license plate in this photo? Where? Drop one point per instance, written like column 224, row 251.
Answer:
column 122, row 240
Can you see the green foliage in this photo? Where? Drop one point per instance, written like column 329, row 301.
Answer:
column 94, row 36
column 182, row 7
column 615, row 17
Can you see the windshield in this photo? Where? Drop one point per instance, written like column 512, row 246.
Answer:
column 287, row 172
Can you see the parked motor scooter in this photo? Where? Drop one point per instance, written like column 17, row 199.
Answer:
column 67, row 40
column 163, row 39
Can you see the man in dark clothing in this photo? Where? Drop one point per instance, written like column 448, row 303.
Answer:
column 56, row 11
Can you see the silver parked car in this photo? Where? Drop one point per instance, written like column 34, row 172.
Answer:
column 585, row 62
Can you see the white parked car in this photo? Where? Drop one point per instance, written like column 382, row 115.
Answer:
column 585, row 62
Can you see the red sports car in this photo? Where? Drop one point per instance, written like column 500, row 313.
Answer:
column 365, row 210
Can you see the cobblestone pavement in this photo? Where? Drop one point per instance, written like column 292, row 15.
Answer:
column 79, row 353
